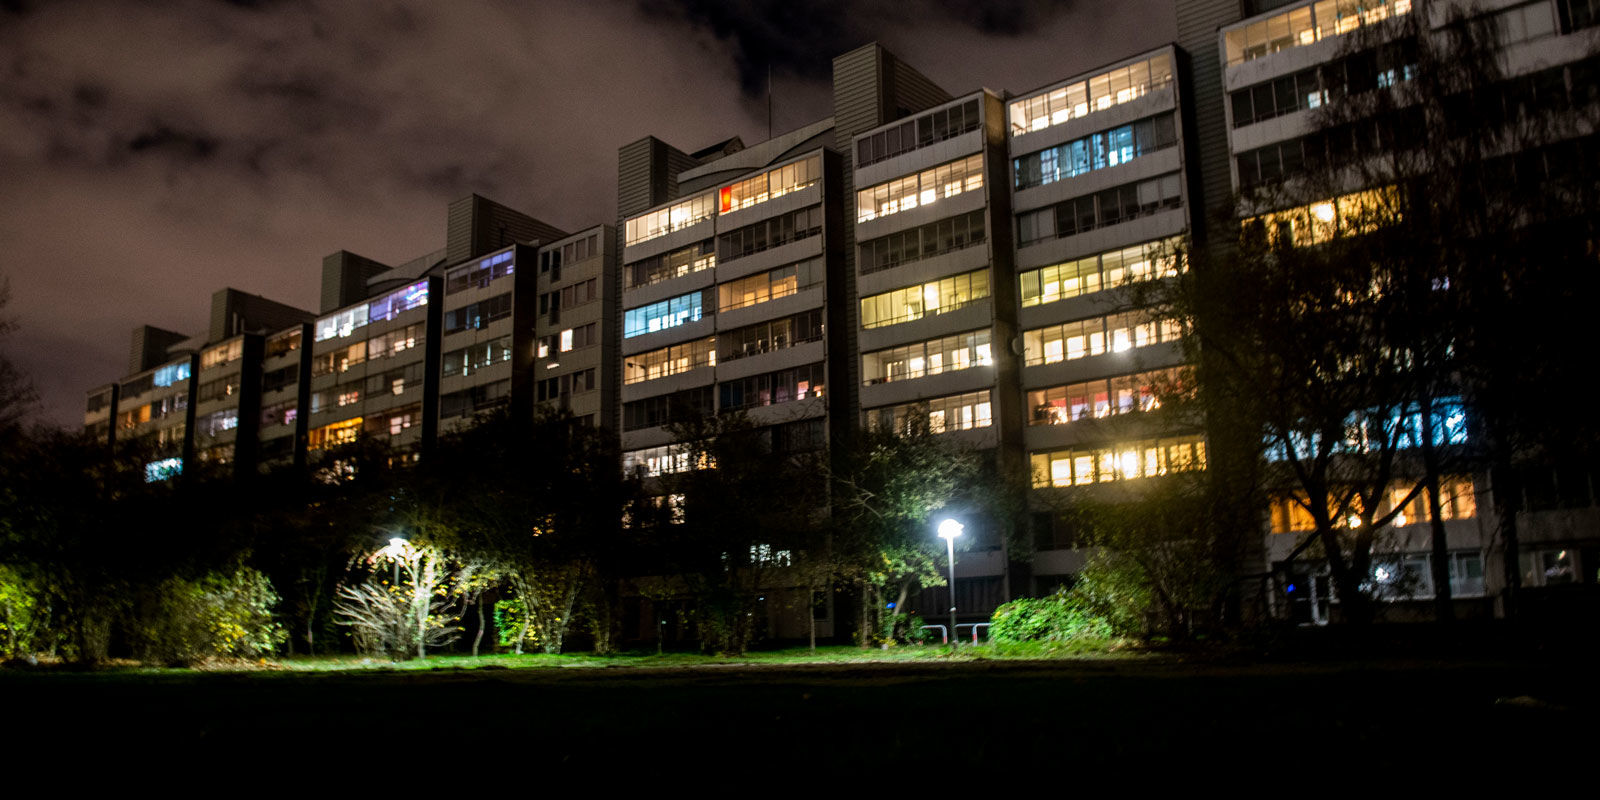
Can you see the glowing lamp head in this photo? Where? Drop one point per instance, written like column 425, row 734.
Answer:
column 950, row 529
column 1323, row 212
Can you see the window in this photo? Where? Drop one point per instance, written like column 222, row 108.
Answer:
column 1099, row 151
column 1107, row 207
column 284, row 413
column 395, row 381
column 219, row 389
column 765, row 337
column 398, row 302
column 580, row 337
column 926, row 300
column 475, row 399
column 661, row 316
column 799, row 437
column 1140, row 459
column 1306, row 25
column 478, row 315
column 780, row 282
column 134, row 417
column 1115, row 333
column 341, row 323
column 224, row 353
column 1582, row 14
column 479, row 274
column 572, row 296
column 1097, row 93
column 935, row 357
column 395, row 342
column 936, row 126
column 956, row 413
column 672, row 360
column 921, row 189
column 1104, row 397
column 276, row 379
column 769, row 233
column 1410, row 577
column 1548, row 566
column 395, row 421
column 926, row 241
column 1457, row 500
column 340, row 360
column 667, row 408
column 98, row 400
column 213, row 424
column 563, row 385
column 771, row 184
column 1326, row 220
column 1099, row 272
column 676, row 217
column 283, row 343
column 676, row 264
column 654, row 461
column 1390, row 131
column 344, row 394
column 772, row 388
column 335, row 434
column 166, row 376
column 578, row 250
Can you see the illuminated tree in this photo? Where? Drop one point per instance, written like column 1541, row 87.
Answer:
column 408, row 601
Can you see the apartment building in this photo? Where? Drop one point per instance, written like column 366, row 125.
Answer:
column 970, row 262
column 574, row 352
column 937, row 302
column 1100, row 191
column 394, row 352
column 285, row 400
column 725, row 299
column 1278, row 68
column 193, row 400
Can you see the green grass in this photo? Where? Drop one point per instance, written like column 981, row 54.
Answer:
column 798, row 656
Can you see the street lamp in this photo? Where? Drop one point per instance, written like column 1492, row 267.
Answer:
column 397, row 546
column 948, row 531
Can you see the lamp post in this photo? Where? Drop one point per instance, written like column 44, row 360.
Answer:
column 948, row 531
column 396, row 546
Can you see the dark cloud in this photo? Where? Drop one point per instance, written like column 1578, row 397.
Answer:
column 154, row 153
column 180, row 144
column 801, row 39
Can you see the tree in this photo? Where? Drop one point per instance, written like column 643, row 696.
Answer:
column 548, row 526
column 1359, row 323
column 1164, row 561
column 416, row 609
column 1490, row 236
column 730, row 525
column 17, row 397
column 886, row 485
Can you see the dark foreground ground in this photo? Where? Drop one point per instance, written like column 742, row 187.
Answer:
column 1173, row 715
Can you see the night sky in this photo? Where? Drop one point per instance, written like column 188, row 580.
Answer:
column 150, row 155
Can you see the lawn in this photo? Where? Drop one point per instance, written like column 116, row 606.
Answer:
column 898, row 713
column 648, row 659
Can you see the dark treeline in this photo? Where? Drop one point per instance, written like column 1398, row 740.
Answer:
column 511, row 536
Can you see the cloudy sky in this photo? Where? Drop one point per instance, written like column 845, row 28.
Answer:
column 152, row 153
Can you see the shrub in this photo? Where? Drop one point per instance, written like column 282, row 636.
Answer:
column 1060, row 618
column 181, row 621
